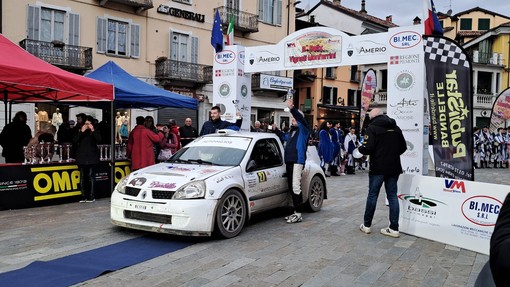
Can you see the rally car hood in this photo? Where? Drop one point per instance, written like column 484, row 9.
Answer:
column 172, row 175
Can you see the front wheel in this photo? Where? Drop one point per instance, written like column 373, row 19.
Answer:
column 316, row 194
column 230, row 214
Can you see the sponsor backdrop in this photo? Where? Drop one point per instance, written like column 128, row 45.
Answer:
column 23, row 186
column 450, row 105
column 500, row 110
column 406, row 84
column 367, row 92
column 452, row 211
column 231, row 85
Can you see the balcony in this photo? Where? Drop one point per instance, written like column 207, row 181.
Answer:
column 188, row 74
column 380, row 99
column 484, row 101
column 306, row 76
column 486, row 58
column 243, row 21
column 139, row 5
column 67, row 57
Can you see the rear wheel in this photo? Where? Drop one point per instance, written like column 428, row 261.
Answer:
column 316, row 194
column 230, row 214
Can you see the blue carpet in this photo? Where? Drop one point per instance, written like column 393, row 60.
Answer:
column 87, row 265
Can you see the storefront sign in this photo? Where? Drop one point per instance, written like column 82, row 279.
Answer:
column 163, row 9
column 270, row 82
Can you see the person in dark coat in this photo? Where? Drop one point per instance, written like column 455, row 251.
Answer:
column 188, row 132
column 500, row 246
column 325, row 147
column 215, row 122
column 384, row 143
column 87, row 157
column 14, row 136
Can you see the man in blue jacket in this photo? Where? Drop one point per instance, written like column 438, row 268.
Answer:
column 215, row 123
column 295, row 157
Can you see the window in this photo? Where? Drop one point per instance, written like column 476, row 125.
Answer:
column 330, row 73
column 270, row 11
column 354, row 74
column 266, row 154
column 466, row 24
column 352, row 98
column 441, row 22
column 183, row 47
column 183, row 1
column 118, row 37
column 484, row 24
column 50, row 24
column 329, row 95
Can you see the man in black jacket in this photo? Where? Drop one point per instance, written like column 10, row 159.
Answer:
column 215, row 123
column 384, row 143
column 188, row 133
column 14, row 136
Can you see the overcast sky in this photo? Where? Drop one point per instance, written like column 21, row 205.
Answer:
column 404, row 11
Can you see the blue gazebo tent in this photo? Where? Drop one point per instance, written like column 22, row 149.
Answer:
column 131, row 92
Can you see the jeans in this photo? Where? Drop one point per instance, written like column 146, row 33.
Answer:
column 374, row 186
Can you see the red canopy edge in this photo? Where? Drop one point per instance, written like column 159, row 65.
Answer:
column 27, row 78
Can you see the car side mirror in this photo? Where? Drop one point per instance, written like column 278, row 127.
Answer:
column 251, row 166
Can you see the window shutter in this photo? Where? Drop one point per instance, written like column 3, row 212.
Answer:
column 194, row 50
column 279, row 13
column 102, row 26
column 135, row 40
column 34, row 19
column 261, row 9
column 335, row 96
column 74, row 29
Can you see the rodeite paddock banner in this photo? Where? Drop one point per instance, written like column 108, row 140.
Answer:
column 448, row 74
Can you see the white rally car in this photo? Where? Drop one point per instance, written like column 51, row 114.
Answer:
column 214, row 184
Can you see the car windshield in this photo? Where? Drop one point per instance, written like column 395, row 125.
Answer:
column 214, row 155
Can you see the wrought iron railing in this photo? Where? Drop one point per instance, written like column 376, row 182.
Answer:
column 143, row 4
column 184, row 71
column 60, row 54
column 243, row 21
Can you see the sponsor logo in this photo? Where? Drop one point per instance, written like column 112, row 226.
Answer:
column 410, row 152
column 370, row 48
column 405, row 39
column 405, row 59
column 157, row 184
column 455, row 186
column 405, row 109
column 291, row 45
column 244, row 91
column 350, row 50
column 224, row 72
column 420, row 205
column 404, row 81
column 264, row 58
column 241, row 57
column 225, row 57
column 55, row 182
column 222, row 178
column 139, row 181
column 481, row 210
column 224, row 90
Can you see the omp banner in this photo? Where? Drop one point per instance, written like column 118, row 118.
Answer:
column 367, row 92
column 448, row 73
column 500, row 110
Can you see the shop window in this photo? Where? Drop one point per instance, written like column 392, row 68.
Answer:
column 118, row 37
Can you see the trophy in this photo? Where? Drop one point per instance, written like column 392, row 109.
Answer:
column 61, row 149
column 33, row 154
column 101, row 152
column 68, row 152
column 26, row 155
column 288, row 96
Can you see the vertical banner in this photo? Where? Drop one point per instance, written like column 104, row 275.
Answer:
column 367, row 93
column 231, row 85
column 450, row 104
column 500, row 111
column 406, row 83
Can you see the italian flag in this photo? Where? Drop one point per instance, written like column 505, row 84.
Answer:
column 230, row 31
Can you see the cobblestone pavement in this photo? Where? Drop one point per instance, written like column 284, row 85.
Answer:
column 326, row 249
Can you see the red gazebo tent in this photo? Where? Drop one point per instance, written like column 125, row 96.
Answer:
column 26, row 78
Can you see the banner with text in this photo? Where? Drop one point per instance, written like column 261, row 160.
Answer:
column 450, row 105
column 456, row 212
column 405, row 103
column 500, row 111
column 368, row 87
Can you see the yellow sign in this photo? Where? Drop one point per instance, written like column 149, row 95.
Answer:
column 61, row 180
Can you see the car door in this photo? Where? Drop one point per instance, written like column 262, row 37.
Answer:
column 266, row 184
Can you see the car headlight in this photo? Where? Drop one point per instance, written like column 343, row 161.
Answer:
column 121, row 186
column 195, row 189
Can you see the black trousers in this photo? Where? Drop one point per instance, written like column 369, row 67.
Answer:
column 88, row 181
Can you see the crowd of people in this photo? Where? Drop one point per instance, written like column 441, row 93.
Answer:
column 490, row 148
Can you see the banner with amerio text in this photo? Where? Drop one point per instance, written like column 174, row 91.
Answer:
column 448, row 73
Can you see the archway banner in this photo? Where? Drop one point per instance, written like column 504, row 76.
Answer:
column 500, row 110
column 450, row 104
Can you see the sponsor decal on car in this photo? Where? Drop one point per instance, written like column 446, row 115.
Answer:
column 158, row 184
